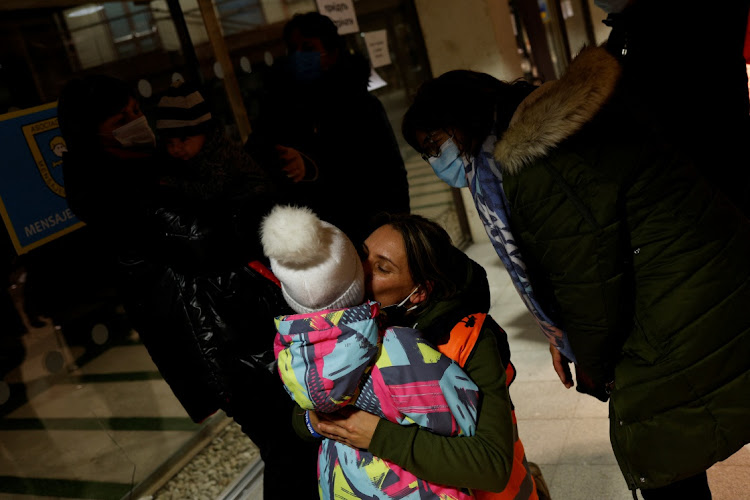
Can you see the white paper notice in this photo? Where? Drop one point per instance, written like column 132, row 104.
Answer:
column 377, row 47
column 376, row 81
column 341, row 13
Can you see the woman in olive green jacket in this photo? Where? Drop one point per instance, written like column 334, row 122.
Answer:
column 635, row 267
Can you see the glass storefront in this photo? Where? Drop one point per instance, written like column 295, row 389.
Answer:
column 84, row 412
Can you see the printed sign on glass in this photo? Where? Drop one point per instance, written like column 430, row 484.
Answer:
column 32, row 192
column 341, row 13
column 377, row 48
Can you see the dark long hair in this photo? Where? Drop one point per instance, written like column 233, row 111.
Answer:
column 463, row 100
column 315, row 25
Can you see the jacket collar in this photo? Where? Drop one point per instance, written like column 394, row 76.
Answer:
column 473, row 296
column 558, row 109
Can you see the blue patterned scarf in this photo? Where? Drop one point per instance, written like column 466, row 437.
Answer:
column 486, row 184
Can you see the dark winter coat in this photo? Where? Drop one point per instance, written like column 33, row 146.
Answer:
column 645, row 266
column 706, row 110
column 204, row 316
column 181, row 272
column 229, row 191
column 344, row 131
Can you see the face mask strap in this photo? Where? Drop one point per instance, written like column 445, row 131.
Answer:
column 400, row 304
column 134, row 133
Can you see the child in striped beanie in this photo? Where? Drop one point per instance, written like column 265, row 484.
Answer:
column 183, row 120
column 203, row 162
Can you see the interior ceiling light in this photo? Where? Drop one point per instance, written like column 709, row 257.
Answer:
column 85, row 11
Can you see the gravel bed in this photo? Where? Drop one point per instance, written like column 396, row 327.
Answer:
column 213, row 469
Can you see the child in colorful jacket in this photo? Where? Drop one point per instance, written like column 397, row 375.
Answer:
column 333, row 354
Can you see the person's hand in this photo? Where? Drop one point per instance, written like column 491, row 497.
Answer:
column 294, row 164
column 562, row 367
column 351, row 427
column 586, row 385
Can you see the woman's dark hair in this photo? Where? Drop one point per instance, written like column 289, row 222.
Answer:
column 463, row 100
column 315, row 25
column 429, row 252
column 84, row 103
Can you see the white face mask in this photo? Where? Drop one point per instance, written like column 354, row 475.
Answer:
column 395, row 313
column 400, row 304
column 134, row 133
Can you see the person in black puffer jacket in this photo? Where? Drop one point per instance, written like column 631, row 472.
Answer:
column 187, row 273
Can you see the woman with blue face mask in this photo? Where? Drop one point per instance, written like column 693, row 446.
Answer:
column 447, row 161
column 633, row 264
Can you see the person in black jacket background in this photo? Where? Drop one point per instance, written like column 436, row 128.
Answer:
column 181, row 267
column 685, row 72
column 329, row 138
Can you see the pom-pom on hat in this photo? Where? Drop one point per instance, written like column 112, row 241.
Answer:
column 182, row 112
column 318, row 266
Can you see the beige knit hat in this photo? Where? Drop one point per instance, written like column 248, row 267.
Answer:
column 318, row 266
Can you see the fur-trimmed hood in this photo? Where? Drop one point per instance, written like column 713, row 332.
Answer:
column 558, row 109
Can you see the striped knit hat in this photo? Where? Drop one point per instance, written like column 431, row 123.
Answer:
column 182, row 112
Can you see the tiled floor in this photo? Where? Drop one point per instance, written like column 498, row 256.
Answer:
column 565, row 432
column 93, row 431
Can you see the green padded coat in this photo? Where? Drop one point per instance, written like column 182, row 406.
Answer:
column 644, row 265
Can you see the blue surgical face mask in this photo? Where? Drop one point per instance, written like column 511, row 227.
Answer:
column 305, row 66
column 449, row 166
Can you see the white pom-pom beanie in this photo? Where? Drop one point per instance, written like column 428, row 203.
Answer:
column 316, row 263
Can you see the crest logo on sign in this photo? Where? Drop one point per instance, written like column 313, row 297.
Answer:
column 46, row 146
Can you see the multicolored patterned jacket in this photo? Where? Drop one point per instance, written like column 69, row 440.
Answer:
column 334, row 358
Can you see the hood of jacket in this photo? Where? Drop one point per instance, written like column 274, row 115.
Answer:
column 473, row 296
column 558, row 109
column 324, row 320
column 338, row 346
